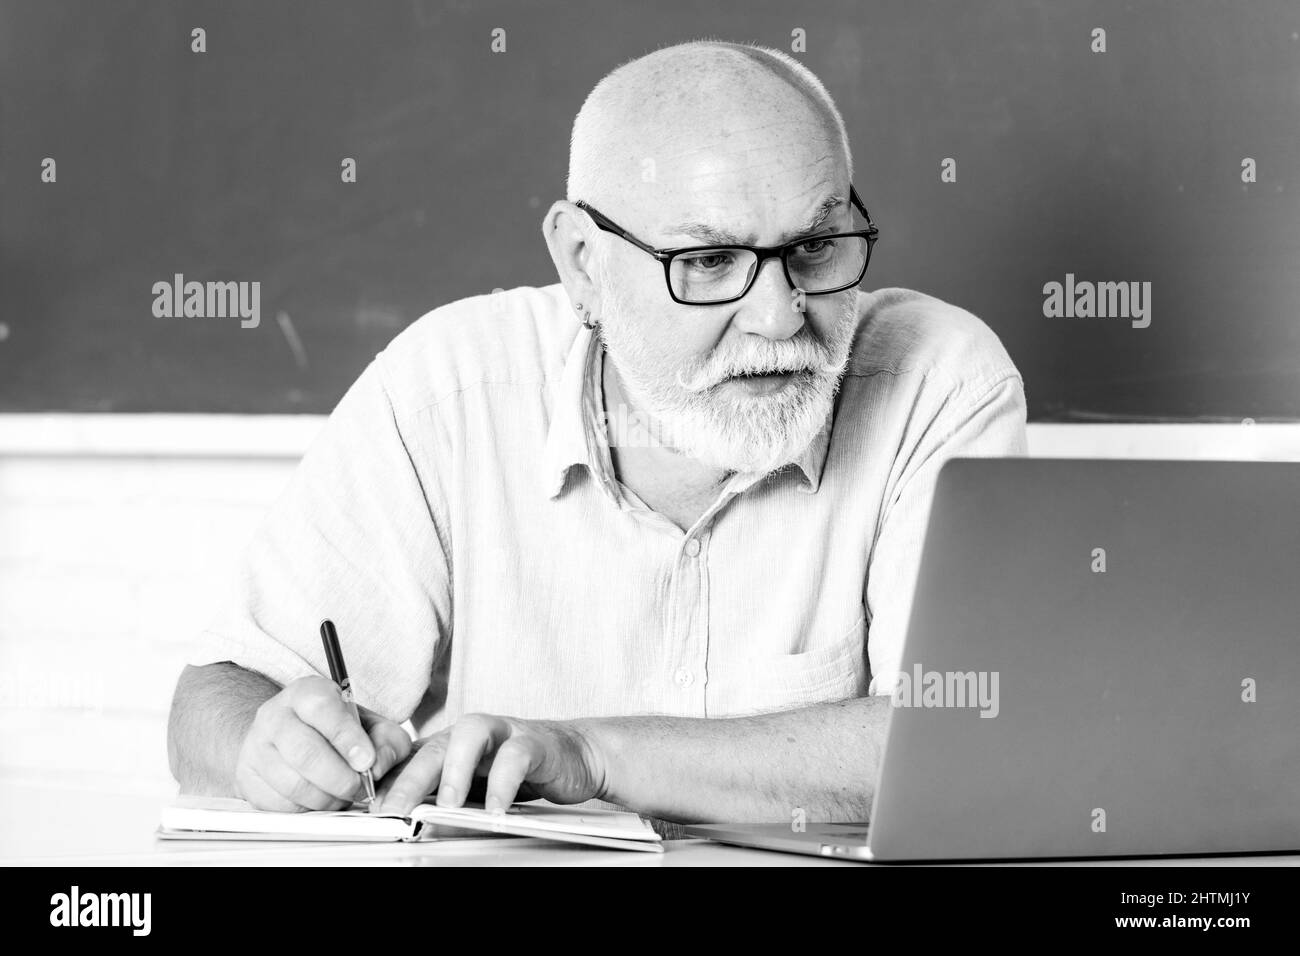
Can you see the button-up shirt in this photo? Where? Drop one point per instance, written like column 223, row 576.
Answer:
column 460, row 520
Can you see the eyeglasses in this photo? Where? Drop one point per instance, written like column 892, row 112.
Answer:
column 714, row 275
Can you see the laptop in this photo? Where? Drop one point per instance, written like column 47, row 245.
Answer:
column 1102, row 660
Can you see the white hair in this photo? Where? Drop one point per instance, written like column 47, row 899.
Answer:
column 607, row 104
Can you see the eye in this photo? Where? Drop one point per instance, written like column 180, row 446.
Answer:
column 709, row 261
column 815, row 247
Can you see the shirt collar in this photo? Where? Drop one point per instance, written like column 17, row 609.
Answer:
column 813, row 460
column 577, row 433
column 577, row 411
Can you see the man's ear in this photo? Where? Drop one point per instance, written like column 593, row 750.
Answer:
column 565, row 229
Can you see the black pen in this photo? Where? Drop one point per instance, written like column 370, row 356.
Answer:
column 339, row 674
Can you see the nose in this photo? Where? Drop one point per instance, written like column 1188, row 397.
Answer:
column 771, row 307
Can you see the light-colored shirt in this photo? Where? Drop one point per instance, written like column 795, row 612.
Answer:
column 460, row 521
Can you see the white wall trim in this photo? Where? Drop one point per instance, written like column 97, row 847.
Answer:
column 161, row 435
column 287, row 436
column 1194, row 440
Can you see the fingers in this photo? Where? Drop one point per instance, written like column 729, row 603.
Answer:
column 250, row 786
column 312, row 757
column 516, row 759
column 413, row 782
column 472, row 739
column 296, row 789
column 269, row 783
column 318, row 704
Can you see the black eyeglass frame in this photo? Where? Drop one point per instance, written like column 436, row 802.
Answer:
column 782, row 252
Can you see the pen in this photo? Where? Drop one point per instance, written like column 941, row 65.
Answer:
column 339, row 674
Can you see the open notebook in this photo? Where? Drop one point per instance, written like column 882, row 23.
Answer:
column 218, row 818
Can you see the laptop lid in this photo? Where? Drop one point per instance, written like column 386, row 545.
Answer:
column 1102, row 659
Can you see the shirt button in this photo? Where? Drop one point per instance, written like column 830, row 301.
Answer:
column 693, row 547
column 683, row 677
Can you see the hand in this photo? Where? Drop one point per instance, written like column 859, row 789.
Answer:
column 305, row 751
column 519, row 758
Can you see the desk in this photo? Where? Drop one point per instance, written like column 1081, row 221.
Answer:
column 53, row 826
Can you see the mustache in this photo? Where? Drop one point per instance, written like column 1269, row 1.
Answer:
column 768, row 357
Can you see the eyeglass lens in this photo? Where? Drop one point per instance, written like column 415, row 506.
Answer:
column 817, row 265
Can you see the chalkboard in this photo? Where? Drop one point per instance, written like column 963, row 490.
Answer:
column 1071, row 164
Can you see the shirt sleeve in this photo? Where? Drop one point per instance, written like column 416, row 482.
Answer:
column 991, row 426
column 353, row 538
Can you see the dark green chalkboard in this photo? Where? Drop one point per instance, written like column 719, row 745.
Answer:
column 1122, row 166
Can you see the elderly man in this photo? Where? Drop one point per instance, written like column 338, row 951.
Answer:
column 685, row 626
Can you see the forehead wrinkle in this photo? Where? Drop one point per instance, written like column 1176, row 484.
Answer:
column 711, row 175
column 710, row 233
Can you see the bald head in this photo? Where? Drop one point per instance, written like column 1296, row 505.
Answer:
column 689, row 118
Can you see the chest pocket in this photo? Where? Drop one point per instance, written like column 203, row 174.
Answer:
column 835, row 670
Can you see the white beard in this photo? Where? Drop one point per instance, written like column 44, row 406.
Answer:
column 760, row 433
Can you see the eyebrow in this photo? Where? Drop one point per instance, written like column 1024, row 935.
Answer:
column 720, row 237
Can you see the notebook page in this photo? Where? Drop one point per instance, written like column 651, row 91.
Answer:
column 227, row 815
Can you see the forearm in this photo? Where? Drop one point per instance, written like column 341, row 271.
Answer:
column 821, row 760
column 212, row 710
